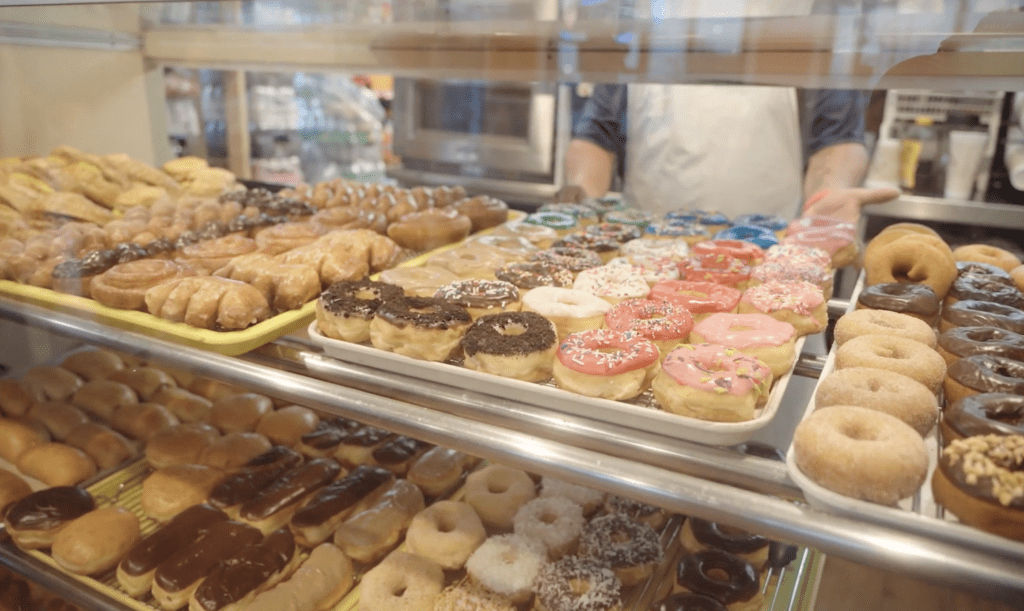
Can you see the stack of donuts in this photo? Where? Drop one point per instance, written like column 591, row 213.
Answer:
column 936, row 338
column 607, row 309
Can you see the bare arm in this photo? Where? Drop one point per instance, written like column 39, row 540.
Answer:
column 834, row 174
column 589, row 167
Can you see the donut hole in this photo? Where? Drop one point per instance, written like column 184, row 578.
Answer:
column 367, row 294
column 446, row 524
column 399, row 590
column 512, row 329
column 857, row 432
column 548, row 517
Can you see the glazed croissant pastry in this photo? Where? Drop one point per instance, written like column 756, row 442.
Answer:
column 285, row 287
column 124, row 285
column 380, row 252
column 208, row 302
column 211, row 255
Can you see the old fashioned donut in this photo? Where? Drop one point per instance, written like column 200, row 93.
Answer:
column 861, row 453
column 770, row 341
column 906, row 227
column 401, row 581
column 983, row 253
column 991, row 413
column 447, row 533
column 554, row 521
column 345, row 309
column 496, row 493
column 983, row 373
column 883, row 322
column 800, row 304
column 911, row 258
column 577, row 584
column 984, row 288
column 419, row 327
column 481, row 297
column 722, row 576
column 507, row 565
column 980, row 480
column 712, row 382
column 661, row 322
column 917, row 300
column 701, row 299
column 429, row 229
column 974, row 313
column 519, row 345
column 570, row 310
column 880, row 390
column 959, row 342
column 629, row 547
column 906, row 356
column 605, row 364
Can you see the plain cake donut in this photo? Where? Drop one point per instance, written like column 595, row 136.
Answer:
column 447, row 533
column 911, row 258
column 880, row 390
column 861, row 453
column 402, row 582
column 883, row 322
column 983, row 253
column 912, row 359
column 496, row 493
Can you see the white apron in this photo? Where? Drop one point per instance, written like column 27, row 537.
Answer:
column 735, row 149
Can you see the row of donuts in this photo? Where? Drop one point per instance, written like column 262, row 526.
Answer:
column 973, row 360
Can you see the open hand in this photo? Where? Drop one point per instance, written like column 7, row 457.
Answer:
column 847, row 203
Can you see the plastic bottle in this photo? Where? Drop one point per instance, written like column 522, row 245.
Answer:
column 920, row 163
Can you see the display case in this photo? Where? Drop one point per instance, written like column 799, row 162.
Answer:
column 91, row 76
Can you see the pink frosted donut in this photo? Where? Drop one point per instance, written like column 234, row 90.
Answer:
column 818, row 222
column 797, row 253
column 837, row 241
column 720, row 269
column 613, row 283
column 797, row 270
column 605, row 364
column 748, row 252
column 771, row 341
column 712, row 382
column 658, row 321
column 801, row 304
column 699, row 298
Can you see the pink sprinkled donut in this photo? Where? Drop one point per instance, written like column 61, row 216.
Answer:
column 661, row 322
column 748, row 252
column 801, row 304
column 798, row 253
column 699, row 298
column 606, row 364
column 720, row 269
column 712, row 382
column 758, row 335
column 837, row 241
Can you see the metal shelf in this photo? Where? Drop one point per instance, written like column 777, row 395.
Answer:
column 680, row 478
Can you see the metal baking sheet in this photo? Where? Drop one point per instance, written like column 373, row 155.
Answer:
column 642, row 414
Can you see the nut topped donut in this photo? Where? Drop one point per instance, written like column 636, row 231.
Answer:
column 345, row 309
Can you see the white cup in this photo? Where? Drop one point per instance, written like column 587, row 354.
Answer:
column 1014, row 156
column 966, row 150
column 885, row 165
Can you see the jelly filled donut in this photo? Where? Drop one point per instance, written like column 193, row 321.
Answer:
column 959, row 342
column 605, row 364
column 994, row 413
column 983, row 373
column 419, row 327
column 722, row 576
column 345, row 309
column 917, row 300
column 518, row 345
column 712, row 382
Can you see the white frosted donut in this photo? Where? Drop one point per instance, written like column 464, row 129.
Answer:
column 912, row 359
column 497, row 492
column 508, row 565
column 572, row 311
column 554, row 521
column 613, row 283
column 883, row 322
column 861, row 453
column 880, row 390
column 653, row 247
column 447, row 532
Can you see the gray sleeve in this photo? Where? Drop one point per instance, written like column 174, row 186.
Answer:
column 831, row 116
column 603, row 121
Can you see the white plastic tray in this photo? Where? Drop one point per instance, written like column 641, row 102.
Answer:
column 648, row 419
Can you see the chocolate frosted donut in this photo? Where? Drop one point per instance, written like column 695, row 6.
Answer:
column 688, row 601
column 627, row 546
column 479, row 294
column 532, row 274
column 978, row 268
column 983, row 373
column 984, row 414
column 718, row 574
column 984, row 288
column 713, row 535
column 485, row 335
column 960, row 342
column 974, row 313
column 358, row 298
column 918, row 300
column 423, row 312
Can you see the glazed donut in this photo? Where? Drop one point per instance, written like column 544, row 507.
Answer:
column 538, row 235
column 345, row 309
column 720, row 269
column 983, row 373
column 179, row 445
column 45, row 383
column 419, row 327
column 745, row 251
column 15, row 399
column 367, row 535
column 519, row 345
column 723, row 576
column 481, row 297
column 186, row 406
column 20, row 436
column 959, row 342
column 701, row 299
column 917, row 300
column 861, row 453
column 983, row 253
column 577, row 584
column 883, row 322
column 613, row 283
column 688, row 601
column 512, row 248
column 661, row 322
column 691, row 233
column 570, row 310
column 507, row 565
column 418, row 281
column 697, row 535
column 993, row 413
column 530, row 275
column 837, row 241
column 483, row 211
column 439, row 469
column 401, row 581
column 447, row 532
column 758, row 335
column 589, row 499
column 605, row 364
column 800, row 304
column 145, row 381
column 560, row 222
column 553, row 521
column 58, row 417
column 984, row 288
column 606, row 247
column 470, row 262
column 124, row 285
column 705, row 382
column 105, row 447
column 677, row 250
column 973, row 313
column 56, row 464
column 573, row 259
column 979, row 480
column 429, row 229
column 769, row 221
column 906, row 356
column 630, row 548
column 880, row 390
column 496, row 493
column 911, row 258
column 653, row 270
column 762, row 237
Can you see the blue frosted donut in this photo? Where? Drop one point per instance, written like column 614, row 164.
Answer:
column 713, row 219
column 762, row 236
column 683, row 217
column 768, row 221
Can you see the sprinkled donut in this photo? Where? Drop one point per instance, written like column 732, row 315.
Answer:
column 798, row 253
column 620, row 232
column 795, row 270
column 630, row 216
column 654, row 270
column 690, row 232
column 605, row 364
column 661, row 322
column 717, row 268
column 345, row 309
column 677, row 250
column 584, row 215
column 699, row 298
column 761, row 236
column 837, row 241
column 770, row 341
column 577, row 584
column 613, row 283
column 560, row 222
column 748, row 252
column 573, row 259
column 712, row 382
column 606, row 247
column 800, row 304
column 532, row 274
column 481, row 297
column 419, row 327
column 570, row 310
column 629, row 547
column 519, row 345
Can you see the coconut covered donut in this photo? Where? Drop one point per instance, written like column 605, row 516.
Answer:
column 914, row 258
column 629, row 547
column 577, row 584
column 861, row 453
column 884, row 391
column 554, row 521
column 882, row 322
column 983, row 253
column 906, row 356
column 508, row 565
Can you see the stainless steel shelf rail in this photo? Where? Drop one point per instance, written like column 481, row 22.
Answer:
column 955, row 559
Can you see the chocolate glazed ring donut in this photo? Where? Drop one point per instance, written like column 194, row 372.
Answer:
column 737, row 542
column 984, row 288
column 983, row 373
column 718, row 574
column 978, row 268
column 914, row 299
column 423, row 312
column 974, row 313
column 485, row 335
column 961, row 342
column 688, row 601
column 984, row 414
column 346, row 298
